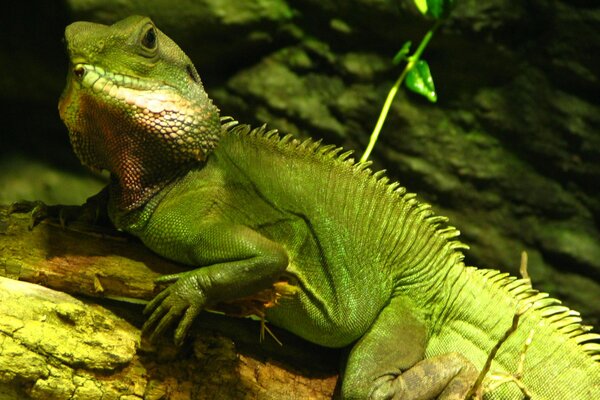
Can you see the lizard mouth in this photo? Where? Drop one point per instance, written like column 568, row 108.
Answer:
column 156, row 97
column 100, row 80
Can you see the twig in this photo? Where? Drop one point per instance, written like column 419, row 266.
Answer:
column 476, row 391
column 412, row 60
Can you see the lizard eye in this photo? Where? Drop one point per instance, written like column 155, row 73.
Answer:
column 149, row 39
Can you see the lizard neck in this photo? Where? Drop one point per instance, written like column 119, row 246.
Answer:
column 133, row 185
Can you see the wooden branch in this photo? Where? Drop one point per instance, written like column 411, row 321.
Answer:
column 79, row 262
column 56, row 346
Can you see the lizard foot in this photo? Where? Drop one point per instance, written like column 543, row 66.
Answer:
column 92, row 213
column 38, row 210
column 182, row 301
column 445, row 377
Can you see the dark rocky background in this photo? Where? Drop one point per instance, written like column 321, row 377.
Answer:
column 510, row 152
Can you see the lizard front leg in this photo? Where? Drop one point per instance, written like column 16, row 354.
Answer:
column 236, row 262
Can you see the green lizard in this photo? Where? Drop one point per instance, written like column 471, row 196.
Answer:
column 373, row 268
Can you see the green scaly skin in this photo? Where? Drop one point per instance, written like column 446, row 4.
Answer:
column 374, row 268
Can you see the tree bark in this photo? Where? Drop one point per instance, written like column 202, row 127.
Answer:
column 60, row 338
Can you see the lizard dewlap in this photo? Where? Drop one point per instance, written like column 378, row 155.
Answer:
column 371, row 266
column 163, row 112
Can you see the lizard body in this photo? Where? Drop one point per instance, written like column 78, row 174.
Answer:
column 374, row 268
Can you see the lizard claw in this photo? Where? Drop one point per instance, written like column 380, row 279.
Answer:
column 162, row 319
column 182, row 301
column 185, row 324
column 38, row 210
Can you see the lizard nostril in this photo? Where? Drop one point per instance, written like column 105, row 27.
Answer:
column 79, row 71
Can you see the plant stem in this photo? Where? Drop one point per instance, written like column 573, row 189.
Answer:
column 392, row 93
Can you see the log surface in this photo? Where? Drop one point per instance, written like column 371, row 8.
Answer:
column 61, row 339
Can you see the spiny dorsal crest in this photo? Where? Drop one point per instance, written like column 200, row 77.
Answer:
column 311, row 148
column 564, row 320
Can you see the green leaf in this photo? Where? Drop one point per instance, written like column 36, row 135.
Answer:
column 438, row 8
column 422, row 6
column 419, row 80
column 402, row 53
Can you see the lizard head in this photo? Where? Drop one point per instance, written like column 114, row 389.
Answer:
column 134, row 103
